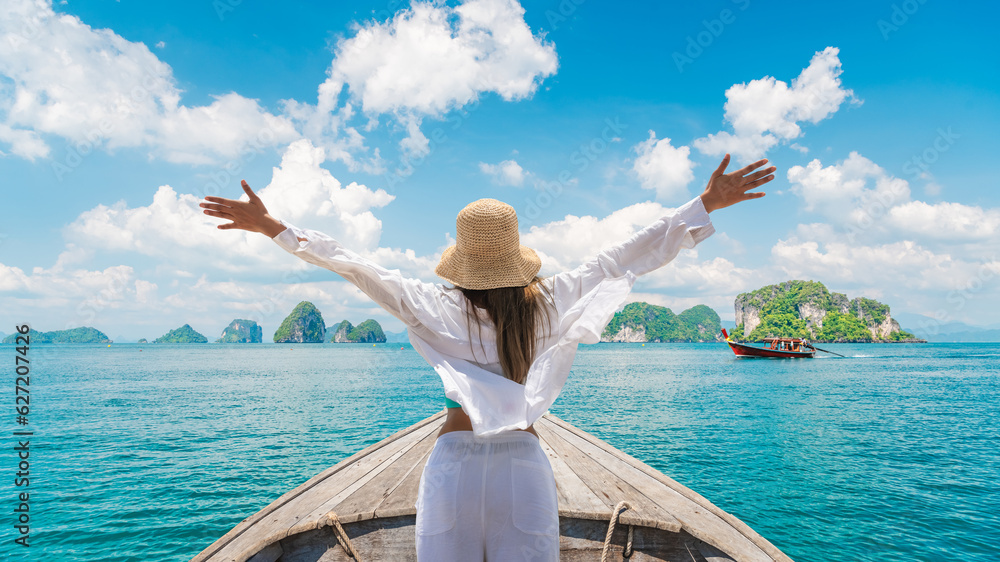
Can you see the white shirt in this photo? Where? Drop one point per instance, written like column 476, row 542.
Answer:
column 584, row 301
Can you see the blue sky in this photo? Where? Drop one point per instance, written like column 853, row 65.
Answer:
column 376, row 122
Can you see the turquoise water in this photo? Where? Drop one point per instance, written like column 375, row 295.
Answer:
column 151, row 452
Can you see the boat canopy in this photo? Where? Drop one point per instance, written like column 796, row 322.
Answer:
column 789, row 340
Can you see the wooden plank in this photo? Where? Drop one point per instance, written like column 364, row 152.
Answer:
column 575, row 498
column 403, row 500
column 272, row 523
column 313, row 511
column 271, row 553
column 365, row 500
column 389, row 539
column 701, row 522
column 609, row 488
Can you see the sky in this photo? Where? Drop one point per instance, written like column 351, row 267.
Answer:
column 376, row 122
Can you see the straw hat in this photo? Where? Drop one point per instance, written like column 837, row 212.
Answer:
column 488, row 253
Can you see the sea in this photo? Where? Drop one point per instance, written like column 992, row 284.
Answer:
column 153, row 451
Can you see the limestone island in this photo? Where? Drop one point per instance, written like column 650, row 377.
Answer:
column 644, row 322
column 242, row 331
column 303, row 325
column 74, row 335
column 806, row 309
column 368, row 331
column 184, row 334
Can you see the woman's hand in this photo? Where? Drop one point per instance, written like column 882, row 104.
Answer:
column 725, row 189
column 245, row 215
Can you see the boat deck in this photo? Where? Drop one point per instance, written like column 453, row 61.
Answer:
column 374, row 491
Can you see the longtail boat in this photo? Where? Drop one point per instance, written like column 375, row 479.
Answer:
column 363, row 508
column 776, row 347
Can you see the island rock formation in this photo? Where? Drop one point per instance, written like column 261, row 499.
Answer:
column 643, row 322
column 368, row 331
column 74, row 335
column 806, row 309
column 340, row 332
column 303, row 325
column 184, row 334
column 241, row 331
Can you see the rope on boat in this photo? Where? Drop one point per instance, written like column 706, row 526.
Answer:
column 345, row 541
column 627, row 553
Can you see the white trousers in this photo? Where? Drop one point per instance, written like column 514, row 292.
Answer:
column 487, row 499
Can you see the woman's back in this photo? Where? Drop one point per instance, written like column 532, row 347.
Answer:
column 488, row 491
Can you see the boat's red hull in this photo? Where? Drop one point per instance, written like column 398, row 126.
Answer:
column 742, row 350
column 749, row 351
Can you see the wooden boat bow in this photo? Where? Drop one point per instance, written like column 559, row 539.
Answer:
column 373, row 494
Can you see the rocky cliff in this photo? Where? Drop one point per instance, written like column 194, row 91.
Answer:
column 368, row 331
column 303, row 325
column 643, row 322
column 806, row 309
column 241, row 331
column 340, row 332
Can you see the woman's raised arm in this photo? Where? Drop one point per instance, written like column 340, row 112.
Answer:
column 725, row 189
column 252, row 215
column 388, row 288
column 659, row 243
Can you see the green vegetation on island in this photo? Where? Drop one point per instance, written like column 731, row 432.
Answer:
column 74, row 335
column 184, row 334
column 806, row 309
column 368, row 331
column 142, row 340
column 643, row 322
column 241, row 331
column 340, row 332
column 303, row 325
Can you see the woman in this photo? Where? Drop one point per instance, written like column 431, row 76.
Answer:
column 502, row 341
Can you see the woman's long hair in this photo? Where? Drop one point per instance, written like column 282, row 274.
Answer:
column 518, row 314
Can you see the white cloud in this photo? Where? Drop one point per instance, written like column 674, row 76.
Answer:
column 174, row 228
column 689, row 275
column 508, row 172
column 863, row 197
column 407, row 262
column 301, row 189
column 431, row 58
column 97, row 90
column 687, row 280
column 744, row 148
column 12, row 278
column 79, row 296
column 94, row 88
column 24, row 143
column 566, row 243
column 768, row 110
column 855, row 187
column 662, row 167
column 897, row 264
column 946, row 220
